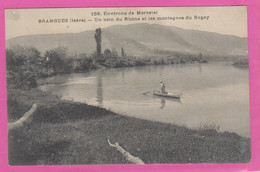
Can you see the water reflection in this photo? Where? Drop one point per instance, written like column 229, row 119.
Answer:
column 162, row 103
column 123, row 76
column 99, row 91
column 200, row 68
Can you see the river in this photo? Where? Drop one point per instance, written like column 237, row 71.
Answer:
column 214, row 93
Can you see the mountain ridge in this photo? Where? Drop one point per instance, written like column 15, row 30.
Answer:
column 140, row 40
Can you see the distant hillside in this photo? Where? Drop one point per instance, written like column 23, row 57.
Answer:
column 140, row 40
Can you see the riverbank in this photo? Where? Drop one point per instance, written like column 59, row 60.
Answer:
column 25, row 65
column 243, row 64
column 66, row 132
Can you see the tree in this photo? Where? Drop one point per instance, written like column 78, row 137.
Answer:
column 114, row 53
column 20, row 55
column 22, row 66
column 55, row 59
column 122, row 52
column 107, row 53
column 98, row 41
column 82, row 56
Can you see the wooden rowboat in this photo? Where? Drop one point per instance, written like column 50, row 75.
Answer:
column 170, row 95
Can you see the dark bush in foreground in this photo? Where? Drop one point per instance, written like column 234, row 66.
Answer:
column 25, row 80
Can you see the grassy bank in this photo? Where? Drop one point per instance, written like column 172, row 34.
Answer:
column 64, row 132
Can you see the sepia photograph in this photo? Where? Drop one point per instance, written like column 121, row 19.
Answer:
column 127, row 85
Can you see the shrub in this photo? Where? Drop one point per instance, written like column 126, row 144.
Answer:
column 26, row 80
column 17, row 56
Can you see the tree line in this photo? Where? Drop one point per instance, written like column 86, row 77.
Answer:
column 26, row 64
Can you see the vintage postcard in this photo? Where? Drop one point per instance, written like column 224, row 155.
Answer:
column 127, row 85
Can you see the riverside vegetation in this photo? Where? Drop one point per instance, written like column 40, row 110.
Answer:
column 66, row 132
column 26, row 64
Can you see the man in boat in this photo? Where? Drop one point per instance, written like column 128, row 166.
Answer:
column 163, row 88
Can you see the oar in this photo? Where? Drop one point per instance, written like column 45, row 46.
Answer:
column 146, row 92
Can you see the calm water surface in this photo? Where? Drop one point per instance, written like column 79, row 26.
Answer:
column 214, row 93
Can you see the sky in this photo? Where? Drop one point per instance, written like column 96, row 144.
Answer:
column 228, row 20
